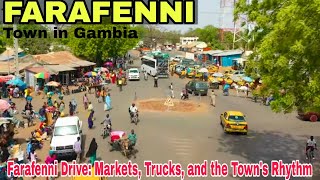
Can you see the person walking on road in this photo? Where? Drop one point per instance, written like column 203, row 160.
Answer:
column 213, row 98
column 107, row 105
column 156, row 81
column 90, row 120
column 77, row 149
column 171, row 90
column 85, row 101
column 92, row 152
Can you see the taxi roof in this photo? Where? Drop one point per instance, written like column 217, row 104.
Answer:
column 235, row 113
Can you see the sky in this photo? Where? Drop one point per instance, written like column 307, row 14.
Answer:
column 209, row 13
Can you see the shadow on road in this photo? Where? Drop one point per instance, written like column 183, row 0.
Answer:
column 265, row 146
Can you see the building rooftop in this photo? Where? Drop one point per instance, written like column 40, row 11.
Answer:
column 229, row 53
column 62, row 57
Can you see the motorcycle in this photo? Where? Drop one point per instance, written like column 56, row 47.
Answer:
column 134, row 118
column 106, row 131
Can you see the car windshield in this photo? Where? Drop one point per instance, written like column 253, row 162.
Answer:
column 134, row 71
column 65, row 130
column 201, row 85
column 236, row 118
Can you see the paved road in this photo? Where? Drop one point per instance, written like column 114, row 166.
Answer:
column 194, row 137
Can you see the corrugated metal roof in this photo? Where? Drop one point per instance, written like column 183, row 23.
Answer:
column 229, row 53
column 58, row 68
column 63, row 57
column 36, row 69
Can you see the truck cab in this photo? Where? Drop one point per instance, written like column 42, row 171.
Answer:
column 65, row 134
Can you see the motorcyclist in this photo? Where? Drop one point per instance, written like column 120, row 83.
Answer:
column 133, row 110
column 312, row 145
column 132, row 138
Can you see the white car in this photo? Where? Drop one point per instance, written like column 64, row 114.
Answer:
column 133, row 74
column 65, row 134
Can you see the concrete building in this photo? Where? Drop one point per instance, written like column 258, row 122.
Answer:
column 187, row 40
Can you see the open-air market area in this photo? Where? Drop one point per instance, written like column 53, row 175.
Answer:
column 209, row 94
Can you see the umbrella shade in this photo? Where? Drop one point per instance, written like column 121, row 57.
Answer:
column 42, row 75
column 90, row 74
column 4, row 105
column 16, row 82
column 217, row 75
column 53, row 83
column 247, row 79
column 203, row 70
column 108, row 64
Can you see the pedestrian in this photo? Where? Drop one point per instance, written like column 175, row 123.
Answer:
column 61, row 107
column 32, row 156
column 103, row 94
column 156, row 81
column 49, row 102
column 107, row 105
column 98, row 94
column 90, row 107
column 50, row 160
column 75, row 105
column 45, row 92
column 113, row 78
column 77, row 149
column 92, row 152
column 85, row 101
column 213, row 98
column 71, row 109
column 37, row 89
column 90, row 120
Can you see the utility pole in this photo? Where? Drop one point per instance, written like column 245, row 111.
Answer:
column 16, row 51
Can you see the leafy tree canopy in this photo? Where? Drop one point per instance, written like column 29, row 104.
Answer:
column 286, row 40
column 32, row 45
column 98, row 49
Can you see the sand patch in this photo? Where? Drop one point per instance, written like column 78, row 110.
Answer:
column 157, row 105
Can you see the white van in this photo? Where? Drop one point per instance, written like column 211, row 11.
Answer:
column 65, row 134
column 133, row 74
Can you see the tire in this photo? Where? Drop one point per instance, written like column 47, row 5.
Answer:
column 245, row 133
column 313, row 118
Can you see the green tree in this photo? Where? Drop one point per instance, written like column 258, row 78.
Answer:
column 2, row 41
column 98, row 49
column 33, row 45
column 286, row 50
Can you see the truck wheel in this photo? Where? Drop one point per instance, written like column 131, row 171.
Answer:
column 313, row 118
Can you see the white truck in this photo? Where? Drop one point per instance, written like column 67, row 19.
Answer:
column 65, row 134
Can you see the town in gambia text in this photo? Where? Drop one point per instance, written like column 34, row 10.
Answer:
column 79, row 32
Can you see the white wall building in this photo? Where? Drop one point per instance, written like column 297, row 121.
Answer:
column 187, row 40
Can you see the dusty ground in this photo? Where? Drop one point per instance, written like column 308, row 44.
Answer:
column 152, row 105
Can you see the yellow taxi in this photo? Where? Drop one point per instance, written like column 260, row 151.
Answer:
column 212, row 69
column 89, row 177
column 191, row 73
column 234, row 121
